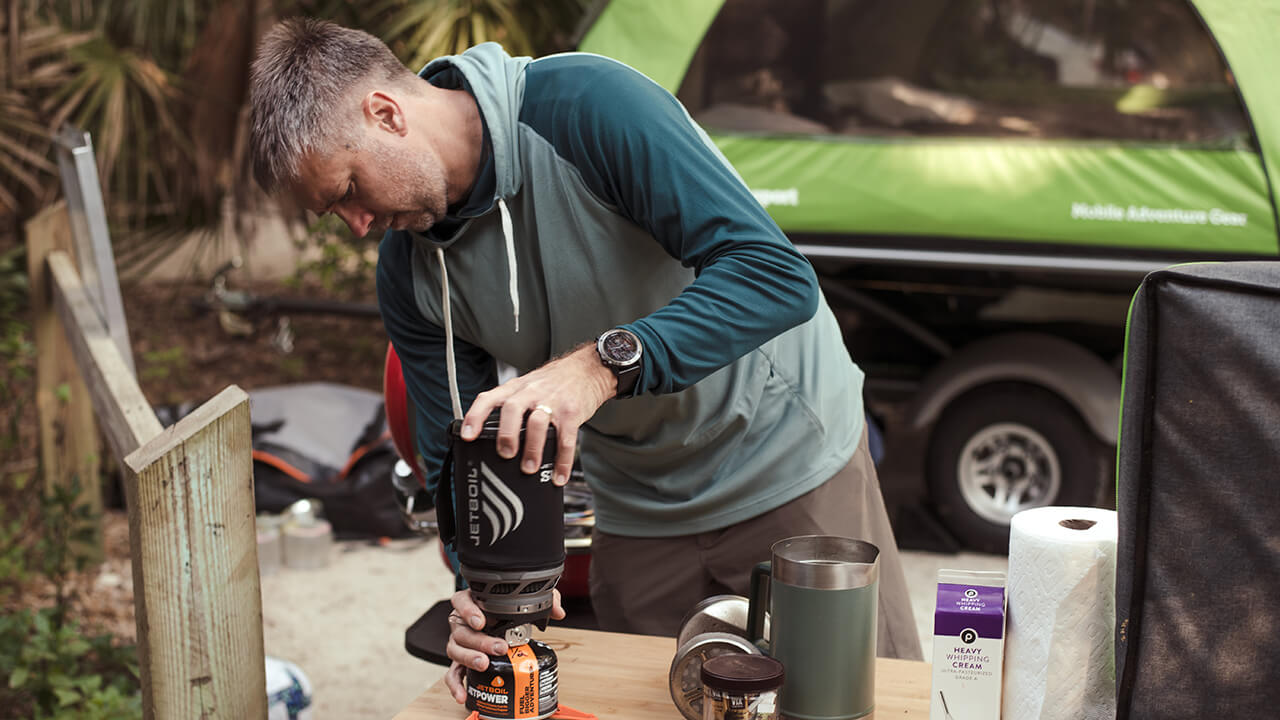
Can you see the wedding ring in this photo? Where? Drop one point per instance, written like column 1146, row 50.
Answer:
column 544, row 409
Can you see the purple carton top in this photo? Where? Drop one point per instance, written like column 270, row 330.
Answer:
column 962, row 607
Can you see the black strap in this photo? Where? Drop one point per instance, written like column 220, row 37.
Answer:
column 446, row 524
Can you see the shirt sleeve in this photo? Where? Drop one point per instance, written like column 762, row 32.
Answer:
column 421, row 347
column 639, row 152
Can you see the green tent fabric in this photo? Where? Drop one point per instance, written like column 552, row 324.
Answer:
column 1190, row 201
column 656, row 37
column 1245, row 31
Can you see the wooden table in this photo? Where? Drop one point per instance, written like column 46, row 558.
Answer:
column 624, row 677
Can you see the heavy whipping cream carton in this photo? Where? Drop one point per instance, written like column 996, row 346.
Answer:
column 968, row 646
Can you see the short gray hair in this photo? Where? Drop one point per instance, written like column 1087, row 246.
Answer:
column 304, row 70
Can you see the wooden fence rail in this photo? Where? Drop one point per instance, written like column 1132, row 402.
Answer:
column 189, row 491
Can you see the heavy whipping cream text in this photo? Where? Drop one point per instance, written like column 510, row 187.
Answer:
column 968, row 658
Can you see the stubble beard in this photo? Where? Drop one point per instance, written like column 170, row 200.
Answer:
column 424, row 190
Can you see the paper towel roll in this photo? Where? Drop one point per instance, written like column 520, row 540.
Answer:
column 1059, row 659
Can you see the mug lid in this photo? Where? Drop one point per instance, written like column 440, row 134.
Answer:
column 743, row 673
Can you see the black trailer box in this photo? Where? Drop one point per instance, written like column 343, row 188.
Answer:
column 1198, row 567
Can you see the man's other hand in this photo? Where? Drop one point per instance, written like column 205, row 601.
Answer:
column 469, row 646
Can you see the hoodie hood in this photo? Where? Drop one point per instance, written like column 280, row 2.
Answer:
column 496, row 80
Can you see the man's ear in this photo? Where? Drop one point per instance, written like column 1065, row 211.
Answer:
column 382, row 111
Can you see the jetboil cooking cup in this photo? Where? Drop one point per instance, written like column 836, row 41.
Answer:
column 506, row 525
column 820, row 591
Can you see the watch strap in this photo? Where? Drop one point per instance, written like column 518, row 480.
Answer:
column 627, row 379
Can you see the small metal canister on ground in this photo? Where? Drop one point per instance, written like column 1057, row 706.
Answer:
column 270, row 543
column 308, row 540
column 741, row 687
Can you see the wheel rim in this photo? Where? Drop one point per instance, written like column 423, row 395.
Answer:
column 1006, row 468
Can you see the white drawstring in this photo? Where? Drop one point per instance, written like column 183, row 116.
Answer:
column 513, row 288
column 450, row 363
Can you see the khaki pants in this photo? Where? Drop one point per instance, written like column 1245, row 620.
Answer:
column 646, row 585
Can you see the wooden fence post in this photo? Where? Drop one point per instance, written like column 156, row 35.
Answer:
column 195, row 566
column 192, row 530
column 69, row 445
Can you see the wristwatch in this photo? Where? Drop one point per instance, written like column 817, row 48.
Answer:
column 620, row 351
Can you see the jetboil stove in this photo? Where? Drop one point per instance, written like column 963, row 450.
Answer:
column 507, row 527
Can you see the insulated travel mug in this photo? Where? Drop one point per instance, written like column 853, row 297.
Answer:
column 820, row 591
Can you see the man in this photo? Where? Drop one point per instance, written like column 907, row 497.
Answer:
column 585, row 231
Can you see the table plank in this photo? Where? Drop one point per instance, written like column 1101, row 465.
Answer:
column 624, row 677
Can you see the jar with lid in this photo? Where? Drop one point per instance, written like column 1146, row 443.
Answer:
column 741, row 687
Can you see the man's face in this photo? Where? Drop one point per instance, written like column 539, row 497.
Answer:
column 379, row 181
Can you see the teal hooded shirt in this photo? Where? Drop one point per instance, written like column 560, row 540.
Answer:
column 622, row 213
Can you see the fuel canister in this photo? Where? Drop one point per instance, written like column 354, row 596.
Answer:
column 520, row 684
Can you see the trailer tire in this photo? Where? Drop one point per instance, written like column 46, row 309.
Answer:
column 1006, row 447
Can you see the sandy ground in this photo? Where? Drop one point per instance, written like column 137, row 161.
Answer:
column 344, row 624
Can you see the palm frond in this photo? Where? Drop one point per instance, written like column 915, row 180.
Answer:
column 125, row 101
column 17, row 116
column 23, row 153
column 16, row 169
column 160, row 86
column 420, row 30
column 8, row 199
column 162, row 29
column 36, row 48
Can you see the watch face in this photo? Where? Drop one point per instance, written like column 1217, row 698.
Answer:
column 619, row 347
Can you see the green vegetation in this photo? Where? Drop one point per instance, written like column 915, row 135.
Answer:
column 341, row 264
column 17, row 354
column 49, row 667
column 164, row 364
column 161, row 87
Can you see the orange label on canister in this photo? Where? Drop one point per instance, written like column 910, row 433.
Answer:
column 525, row 687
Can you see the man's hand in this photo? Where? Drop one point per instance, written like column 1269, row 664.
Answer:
column 469, row 646
column 565, row 392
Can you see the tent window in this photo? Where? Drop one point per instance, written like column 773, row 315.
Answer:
column 1138, row 70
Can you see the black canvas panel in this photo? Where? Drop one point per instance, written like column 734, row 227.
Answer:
column 1198, row 571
